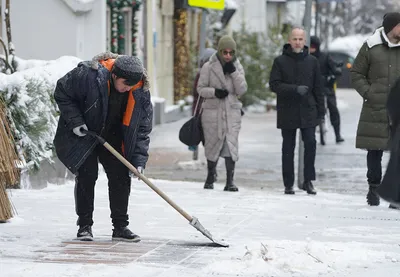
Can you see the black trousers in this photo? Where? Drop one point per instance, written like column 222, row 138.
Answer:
column 119, row 187
column 334, row 115
column 374, row 164
column 288, row 146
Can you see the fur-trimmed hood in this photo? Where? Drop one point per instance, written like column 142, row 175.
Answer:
column 379, row 37
column 102, row 57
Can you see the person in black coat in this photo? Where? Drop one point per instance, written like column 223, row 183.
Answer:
column 390, row 185
column 109, row 96
column 296, row 79
column 330, row 70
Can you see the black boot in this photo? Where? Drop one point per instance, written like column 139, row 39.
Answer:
column 85, row 233
column 211, row 175
column 309, row 187
column 372, row 195
column 124, row 234
column 230, row 172
column 339, row 138
column 289, row 190
column 395, row 207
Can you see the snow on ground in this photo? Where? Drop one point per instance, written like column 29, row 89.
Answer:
column 270, row 234
column 194, row 165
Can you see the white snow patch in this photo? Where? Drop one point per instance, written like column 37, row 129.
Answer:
column 192, row 165
column 231, row 4
column 349, row 44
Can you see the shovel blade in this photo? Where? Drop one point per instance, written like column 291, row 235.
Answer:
column 196, row 224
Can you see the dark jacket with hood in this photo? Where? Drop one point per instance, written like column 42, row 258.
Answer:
column 329, row 68
column 374, row 72
column 289, row 71
column 82, row 97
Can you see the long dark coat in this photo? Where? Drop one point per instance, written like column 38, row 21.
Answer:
column 390, row 186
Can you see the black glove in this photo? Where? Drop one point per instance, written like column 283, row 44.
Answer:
column 229, row 68
column 221, row 93
column 302, row 90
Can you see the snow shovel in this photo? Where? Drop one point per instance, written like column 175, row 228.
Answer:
column 192, row 220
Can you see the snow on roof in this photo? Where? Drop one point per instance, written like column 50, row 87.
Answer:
column 348, row 44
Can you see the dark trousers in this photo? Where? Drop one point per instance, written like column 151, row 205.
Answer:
column 374, row 164
column 119, row 187
column 288, row 146
column 334, row 115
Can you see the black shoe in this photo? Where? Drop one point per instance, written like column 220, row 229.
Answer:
column 391, row 206
column 309, row 188
column 230, row 172
column 289, row 190
column 208, row 186
column 85, row 233
column 372, row 196
column 339, row 139
column 124, row 234
column 211, row 175
column 231, row 187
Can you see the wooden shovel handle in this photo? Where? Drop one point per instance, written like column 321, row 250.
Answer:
column 139, row 175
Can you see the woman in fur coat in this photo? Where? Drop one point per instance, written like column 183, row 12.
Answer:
column 222, row 81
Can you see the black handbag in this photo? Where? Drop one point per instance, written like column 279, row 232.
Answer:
column 191, row 132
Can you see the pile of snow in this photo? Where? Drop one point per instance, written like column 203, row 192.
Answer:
column 28, row 94
column 349, row 44
column 294, row 258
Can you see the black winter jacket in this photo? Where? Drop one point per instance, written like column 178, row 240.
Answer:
column 82, row 97
column 289, row 71
column 390, row 185
column 329, row 70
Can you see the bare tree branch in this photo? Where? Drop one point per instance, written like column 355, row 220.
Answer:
column 8, row 28
column 6, row 56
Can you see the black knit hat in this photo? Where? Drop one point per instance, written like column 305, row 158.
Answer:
column 390, row 20
column 129, row 68
column 315, row 41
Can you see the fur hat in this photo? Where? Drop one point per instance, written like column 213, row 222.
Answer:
column 129, row 68
column 390, row 20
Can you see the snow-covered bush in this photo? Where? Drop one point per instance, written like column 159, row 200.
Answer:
column 28, row 95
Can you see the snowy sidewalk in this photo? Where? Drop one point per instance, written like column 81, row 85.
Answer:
column 325, row 235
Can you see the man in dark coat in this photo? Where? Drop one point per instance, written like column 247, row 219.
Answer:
column 296, row 79
column 374, row 72
column 390, row 187
column 329, row 71
column 109, row 96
